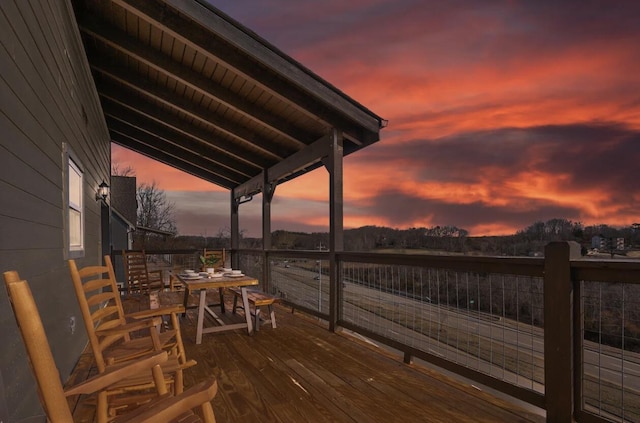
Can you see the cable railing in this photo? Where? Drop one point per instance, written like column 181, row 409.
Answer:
column 608, row 348
column 490, row 323
column 485, row 319
column 533, row 328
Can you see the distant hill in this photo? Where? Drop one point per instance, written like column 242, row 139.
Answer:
column 529, row 241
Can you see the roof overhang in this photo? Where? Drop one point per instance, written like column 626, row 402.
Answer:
column 184, row 84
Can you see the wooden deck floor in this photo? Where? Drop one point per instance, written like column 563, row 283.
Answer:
column 301, row 372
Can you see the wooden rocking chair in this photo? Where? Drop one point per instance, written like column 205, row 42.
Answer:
column 219, row 255
column 163, row 408
column 110, row 333
column 138, row 277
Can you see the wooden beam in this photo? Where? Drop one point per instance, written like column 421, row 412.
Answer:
column 173, row 149
column 300, row 160
column 558, row 330
column 178, row 139
column 292, row 165
column 171, row 99
column 162, row 157
column 143, row 53
column 334, row 164
column 235, row 229
column 250, row 187
column 115, row 94
column 269, row 56
column 289, row 81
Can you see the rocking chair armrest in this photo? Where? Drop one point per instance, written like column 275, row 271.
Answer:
column 162, row 311
column 130, row 327
column 167, row 408
column 115, row 374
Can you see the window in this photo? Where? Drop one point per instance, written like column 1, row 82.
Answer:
column 76, row 221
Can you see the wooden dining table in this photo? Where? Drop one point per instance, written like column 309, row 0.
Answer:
column 201, row 285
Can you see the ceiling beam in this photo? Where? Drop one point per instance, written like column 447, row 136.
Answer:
column 169, row 160
column 175, row 101
column 117, row 95
column 143, row 53
column 305, row 159
column 172, row 147
column 185, row 142
column 300, row 160
column 222, row 41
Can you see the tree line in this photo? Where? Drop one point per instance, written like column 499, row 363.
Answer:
column 529, row 241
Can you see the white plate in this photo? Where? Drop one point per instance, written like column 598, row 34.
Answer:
column 231, row 275
column 190, row 277
column 216, row 275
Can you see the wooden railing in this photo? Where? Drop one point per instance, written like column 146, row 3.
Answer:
column 528, row 315
column 557, row 382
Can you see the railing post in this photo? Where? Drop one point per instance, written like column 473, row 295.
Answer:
column 334, row 165
column 558, row 330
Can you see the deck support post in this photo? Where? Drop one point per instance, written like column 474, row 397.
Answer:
column 235, row 230
column 268, row 189
column 558, row 330
column 334, row 165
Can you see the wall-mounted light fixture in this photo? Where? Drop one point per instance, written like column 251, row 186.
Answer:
column 103, row 191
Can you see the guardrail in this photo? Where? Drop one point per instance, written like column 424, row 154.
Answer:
column 540, row 329
column 607, row 340
column 560, row 332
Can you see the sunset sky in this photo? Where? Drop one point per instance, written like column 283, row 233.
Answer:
column 501, row 113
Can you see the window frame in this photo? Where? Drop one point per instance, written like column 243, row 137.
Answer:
column 74, row 203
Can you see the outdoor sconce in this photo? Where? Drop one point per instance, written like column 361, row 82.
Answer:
column 103, row 191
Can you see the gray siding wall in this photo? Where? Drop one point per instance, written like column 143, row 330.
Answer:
column 48, row 99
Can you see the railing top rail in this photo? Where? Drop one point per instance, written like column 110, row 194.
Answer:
column 582, row 270
column 627, row 271
column 507, row 265
column 524, row 266
column 182, row 251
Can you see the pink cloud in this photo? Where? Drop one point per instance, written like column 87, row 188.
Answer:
column 492, row 110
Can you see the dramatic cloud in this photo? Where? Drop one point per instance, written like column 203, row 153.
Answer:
column 500, row 113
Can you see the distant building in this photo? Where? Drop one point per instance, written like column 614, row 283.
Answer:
column 123, row 218
column 599, row 242
column 123, row 196
column 605, row 244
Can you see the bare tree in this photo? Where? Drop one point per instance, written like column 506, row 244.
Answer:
column 154, row 211
column 116, row 170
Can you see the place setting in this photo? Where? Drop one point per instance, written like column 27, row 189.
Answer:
column 231, row 273
column 190, row 275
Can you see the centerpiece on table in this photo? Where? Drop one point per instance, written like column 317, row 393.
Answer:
column 208, row 263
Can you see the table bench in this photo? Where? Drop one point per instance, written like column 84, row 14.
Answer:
column 258, row 299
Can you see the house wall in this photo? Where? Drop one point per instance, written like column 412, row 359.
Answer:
column 121, row 239
column 48, row 99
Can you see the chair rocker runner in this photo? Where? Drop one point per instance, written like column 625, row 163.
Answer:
column 162, row 408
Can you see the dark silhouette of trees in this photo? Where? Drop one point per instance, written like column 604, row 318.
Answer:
column 155, row 213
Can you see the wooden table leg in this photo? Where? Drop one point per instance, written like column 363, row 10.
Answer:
column 185, row 300
column 200, row 324
column 221, row 292
column 247, row 310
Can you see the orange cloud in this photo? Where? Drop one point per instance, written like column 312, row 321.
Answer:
column 453, row 95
